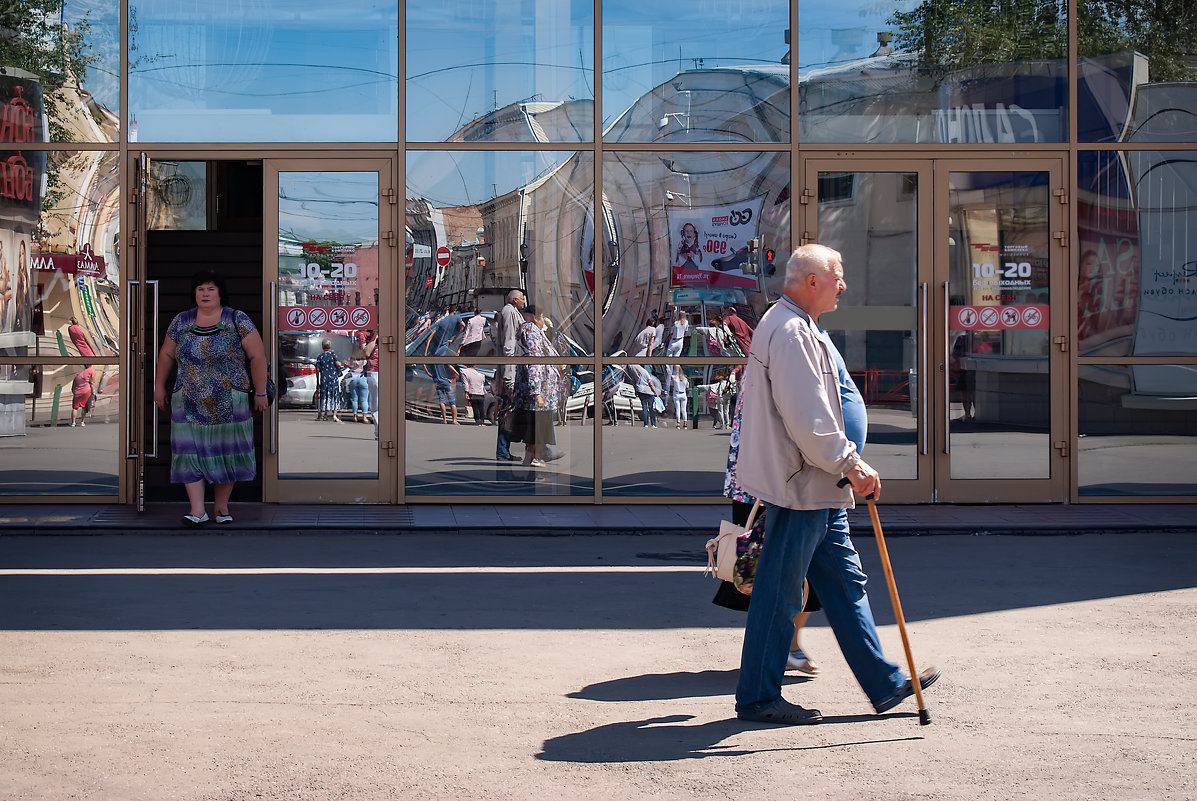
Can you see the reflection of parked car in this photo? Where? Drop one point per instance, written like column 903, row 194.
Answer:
column 297, row 352
column 420, row 390
column 624, row 399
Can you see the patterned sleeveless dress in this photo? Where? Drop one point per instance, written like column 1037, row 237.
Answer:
column 211, row 417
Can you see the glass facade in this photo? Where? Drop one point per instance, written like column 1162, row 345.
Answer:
column 1017, row 229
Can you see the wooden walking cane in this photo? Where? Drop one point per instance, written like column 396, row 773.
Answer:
column 924, row 716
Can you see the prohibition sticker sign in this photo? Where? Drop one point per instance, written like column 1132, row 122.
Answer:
column 989, row 317
column 360, row 318
column 317, row 317
column 1031, row 316
column 966, row 317
column 338, row 317
column 297, row 318
column 1010, row 317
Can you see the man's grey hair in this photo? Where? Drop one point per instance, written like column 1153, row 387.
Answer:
column 513, row 294
column 806, row 260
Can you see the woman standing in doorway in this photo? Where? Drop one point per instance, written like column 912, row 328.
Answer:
column 221, row 381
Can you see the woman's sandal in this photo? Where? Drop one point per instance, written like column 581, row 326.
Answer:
column 222, row 519
column 193, row 521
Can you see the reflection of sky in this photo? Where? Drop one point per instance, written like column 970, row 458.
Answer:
column 539, row 50
column 646, row 43
column 460, row 179
column 836, row 31
column 337, row 206
column 103, row 76
column 283, row 70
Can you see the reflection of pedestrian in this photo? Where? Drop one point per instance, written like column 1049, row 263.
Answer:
column 79, row 338
column 211, row 422
column 741, row 331
column 642, row 345
column 371, row 350
column 794, row 448
column 445, row 377
column 677, row 334
column 648, row 390
column 504, row 331
column 475, row 388
column 328, row 383
column 359, row 387
column 82, row 391
column 537, row 390
column 964, row 380
column 471, row 340
column 678, row 384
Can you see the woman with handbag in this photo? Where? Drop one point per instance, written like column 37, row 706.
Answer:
column 221, row 382
column 537, row 388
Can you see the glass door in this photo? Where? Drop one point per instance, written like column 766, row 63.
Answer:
column 1001, row 350
column 947, row 325
column 878, row 218
column 329, row 245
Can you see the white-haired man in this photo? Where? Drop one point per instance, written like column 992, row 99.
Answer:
column 793, row 453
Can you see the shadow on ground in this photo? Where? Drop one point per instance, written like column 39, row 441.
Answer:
column 481, row 582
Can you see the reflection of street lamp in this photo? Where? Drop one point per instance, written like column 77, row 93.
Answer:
column 682, row 117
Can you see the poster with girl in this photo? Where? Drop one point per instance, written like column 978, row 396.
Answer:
column 708, row 245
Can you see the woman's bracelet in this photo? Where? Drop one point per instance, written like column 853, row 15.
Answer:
column 261, row 394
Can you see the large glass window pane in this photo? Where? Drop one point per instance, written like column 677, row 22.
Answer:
column 939, row 71
column 58, row 255
column 500, row 72
column 263, row 71
column 681, row 71
column 480, row 225
column 1138, row 430
column 457, row 428
column 1136, row 72
column 59, row 71
column 1137, row 276
column 667, row 441
column 59, row 429
column 677, row 228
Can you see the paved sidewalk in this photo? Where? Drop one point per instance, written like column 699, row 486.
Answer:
column 322, row 667
column 548, row 519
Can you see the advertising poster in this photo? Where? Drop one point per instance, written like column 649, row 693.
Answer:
column 708, row 245
column 1107, row 279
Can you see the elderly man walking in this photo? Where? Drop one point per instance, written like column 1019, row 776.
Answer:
column 793, row 451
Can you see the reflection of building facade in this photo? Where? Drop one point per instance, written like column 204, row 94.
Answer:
column 1006, row 265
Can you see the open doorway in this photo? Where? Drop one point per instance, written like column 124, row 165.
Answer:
column 199, row 215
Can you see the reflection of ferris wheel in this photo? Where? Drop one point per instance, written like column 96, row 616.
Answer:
column 172, row 189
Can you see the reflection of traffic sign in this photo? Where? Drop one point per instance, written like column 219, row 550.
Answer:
column 989, row 317
column 1010, row 317
column 338, row 317
column 1032, row 316
column 360, row 318
column 297, row 318
column 966, row 317
column 442, row 256
column 317, row 317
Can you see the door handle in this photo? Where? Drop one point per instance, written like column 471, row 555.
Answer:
column 132, row 397
column 273, row 318
column 154, row 349
column 921, row 362
column 945, row 367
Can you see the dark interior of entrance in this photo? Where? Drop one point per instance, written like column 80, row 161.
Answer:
column 225, row 235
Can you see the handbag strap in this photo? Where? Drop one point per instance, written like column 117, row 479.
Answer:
column 752, row 515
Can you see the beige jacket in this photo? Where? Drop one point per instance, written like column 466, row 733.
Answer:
column 792, row 444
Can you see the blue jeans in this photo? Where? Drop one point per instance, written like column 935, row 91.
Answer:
column 646, row 408
column 359, row 395
column 814, row 545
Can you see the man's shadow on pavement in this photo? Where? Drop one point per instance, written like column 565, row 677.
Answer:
column 659, row 739
column 664, row 686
